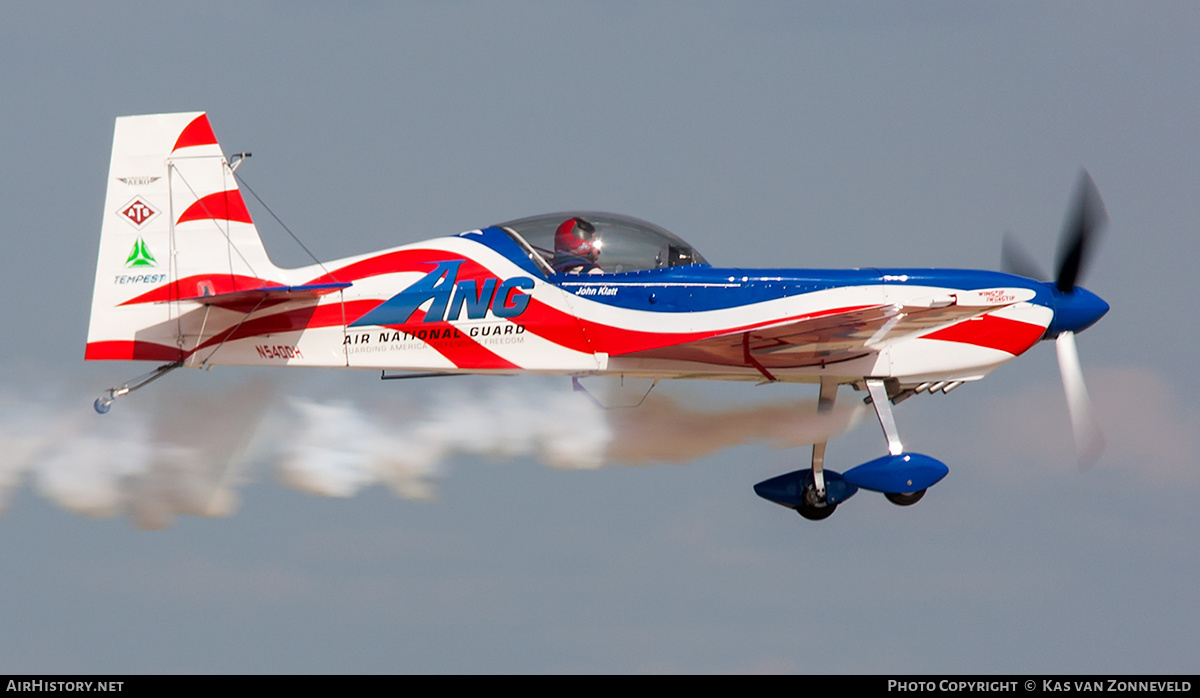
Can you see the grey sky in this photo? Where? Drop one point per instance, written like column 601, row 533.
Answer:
column 767, row 134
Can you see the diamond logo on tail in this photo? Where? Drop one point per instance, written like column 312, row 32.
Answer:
column 138, row 212
column 140, row 256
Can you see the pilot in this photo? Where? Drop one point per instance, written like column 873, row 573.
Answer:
column 576, row 248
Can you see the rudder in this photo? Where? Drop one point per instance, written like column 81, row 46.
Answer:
column 175, row 227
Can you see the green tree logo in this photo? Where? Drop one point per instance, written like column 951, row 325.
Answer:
column 140, row 256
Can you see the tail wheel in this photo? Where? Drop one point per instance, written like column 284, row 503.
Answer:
column 904, row 499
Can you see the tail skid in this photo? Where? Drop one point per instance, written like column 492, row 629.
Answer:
column 104, row 403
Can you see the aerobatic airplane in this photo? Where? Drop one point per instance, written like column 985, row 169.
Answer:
column 183, row 279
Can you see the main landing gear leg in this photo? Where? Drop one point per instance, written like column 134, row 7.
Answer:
column 816, row 505
column 883, row 410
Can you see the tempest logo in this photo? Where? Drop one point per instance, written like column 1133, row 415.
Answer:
column 450, row 297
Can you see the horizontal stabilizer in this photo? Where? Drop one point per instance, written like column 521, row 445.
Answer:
column 266, row 295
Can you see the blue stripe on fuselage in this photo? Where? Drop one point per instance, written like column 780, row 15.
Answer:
column 698, row 288
column 701, row 287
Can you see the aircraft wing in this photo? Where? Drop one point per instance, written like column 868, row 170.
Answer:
column 828, row 339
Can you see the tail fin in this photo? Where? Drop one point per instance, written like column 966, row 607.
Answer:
column 175, row 227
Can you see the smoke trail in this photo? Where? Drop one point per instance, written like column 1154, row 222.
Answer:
column 663, row 430
column 340, row 448
column 178, row 459
column 187, row 457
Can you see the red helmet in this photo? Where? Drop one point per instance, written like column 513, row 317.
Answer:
column 576, row 236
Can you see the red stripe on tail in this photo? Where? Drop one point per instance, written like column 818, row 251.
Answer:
column 222, row 206
column 196, row 133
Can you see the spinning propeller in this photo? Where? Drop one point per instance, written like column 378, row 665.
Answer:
column 1075, row 308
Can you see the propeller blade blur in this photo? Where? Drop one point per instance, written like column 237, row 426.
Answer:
column 1015, row 259
column 1084, row 222
column 1089, row 442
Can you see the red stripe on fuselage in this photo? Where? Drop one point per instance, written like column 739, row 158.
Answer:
column 420, row 260
column 454, row 343
column 1012, row 336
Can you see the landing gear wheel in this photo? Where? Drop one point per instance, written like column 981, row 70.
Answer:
column 813, row 513
column 904, row 499
column 812, row 509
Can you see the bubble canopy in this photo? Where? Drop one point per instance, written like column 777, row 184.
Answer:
column 625, row 243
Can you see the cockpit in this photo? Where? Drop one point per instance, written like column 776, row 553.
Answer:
column 606, row 243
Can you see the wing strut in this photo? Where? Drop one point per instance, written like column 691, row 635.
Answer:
column 753, row 361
